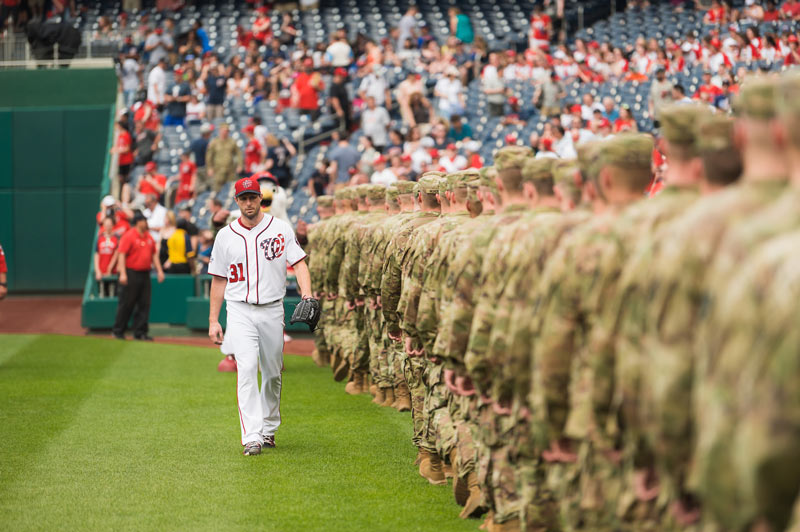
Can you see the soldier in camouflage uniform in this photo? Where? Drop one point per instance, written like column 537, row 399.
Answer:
column 316, row 265
column 394, row 271
column 372, row 214
column 751, row 348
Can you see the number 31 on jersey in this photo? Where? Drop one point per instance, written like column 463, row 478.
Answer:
column 237, row 273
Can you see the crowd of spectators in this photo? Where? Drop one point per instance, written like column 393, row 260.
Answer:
column 391, row 129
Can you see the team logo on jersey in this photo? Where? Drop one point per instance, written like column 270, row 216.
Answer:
column 273, row 247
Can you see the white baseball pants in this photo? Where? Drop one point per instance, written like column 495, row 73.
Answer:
column 255, row 336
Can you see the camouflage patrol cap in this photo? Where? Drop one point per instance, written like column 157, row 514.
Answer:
column 340, row 194
column 361, row 191
column 788, row 104
column 563, row 170
column 391, row 192
column 463, row 178
column 429, row 184
column 536, row 169
column 589, row 158
column 757, row 97
column 376, row 192
column 472, row 188
column 632, row 151
column 678, row 122
column 713, row 133
column 487, row 176
column 434, row 173
column 324, row 201
column 511, row 157
column 405, row 187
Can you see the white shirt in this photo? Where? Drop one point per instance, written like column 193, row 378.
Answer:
column 448, row 91
column 375, row 122
column 156, row 85
column 384, row 177
column 254, row 260
column 459, row 162
column 339, row 54
column 155, row 220
column 374, row 86
column 564, row 148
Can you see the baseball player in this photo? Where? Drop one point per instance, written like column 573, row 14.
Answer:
column 249, row 262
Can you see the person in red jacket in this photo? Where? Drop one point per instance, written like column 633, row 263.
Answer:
column 187, row 175
column 105, row 256
column 137, row 254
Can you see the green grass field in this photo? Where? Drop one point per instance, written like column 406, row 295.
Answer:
column 102, row 434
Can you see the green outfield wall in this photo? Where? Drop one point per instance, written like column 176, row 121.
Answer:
column 56, row 127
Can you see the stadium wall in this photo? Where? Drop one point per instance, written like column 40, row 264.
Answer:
column 56, row 128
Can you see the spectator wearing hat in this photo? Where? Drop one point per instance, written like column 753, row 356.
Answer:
column 158, row 45
column 176, row 99
column 123, row 148
column 474, row 159
column 546, row 149
column 137, row 255
column 451, row 161
column 375, row 124
column 111, row 208
column 157, row 83
column 339, row 98
column 382, row 175
column 223, row 159
column 151, row 182
column 105, row 256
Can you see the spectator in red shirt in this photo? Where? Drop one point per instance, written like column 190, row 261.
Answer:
column 187, row 174
column 110, row 208
column 771, row 13
column 137, row 253
column 625, row 122
column 254, row 152
column 715, row 14
column 123, row 148
column 105, row 256
column 145, row 112
column 541, row 28
column 151, row 182
column 3, row 275
column 790, row 9
column 262, row 31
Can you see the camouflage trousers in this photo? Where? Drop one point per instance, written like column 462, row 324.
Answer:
column 360, row 360
column 345, row 330
column 440, row 432
column 378, row 348
column 504, row 480
column 414, row 370
column 327, row 326
column 460, row 408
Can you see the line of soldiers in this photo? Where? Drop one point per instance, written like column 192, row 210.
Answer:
column 576, row 356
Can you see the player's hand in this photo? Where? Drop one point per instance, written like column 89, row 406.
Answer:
column 98, row 275
column 3, row 292
column 123, row 279
column 215, row 332
column 160, row 277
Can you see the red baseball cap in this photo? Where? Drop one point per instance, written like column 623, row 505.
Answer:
column 604, row 123
column 547, row 144
column 150, row 166
column 511, row 138
column 513, row 100
column 308, row 62
column 451, row 146
column 379, row 159
column 247, row 185
column 576, row 108
column 249, row 128
column 792, row 38
column 406, row 157
column 339, row 71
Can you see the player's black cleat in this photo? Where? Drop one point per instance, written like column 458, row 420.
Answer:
column 268, row 441
column 252, row 448
column 143, row 337
column 119, row 336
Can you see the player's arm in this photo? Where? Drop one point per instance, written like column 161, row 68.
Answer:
column 218, row 285
column 303, row 278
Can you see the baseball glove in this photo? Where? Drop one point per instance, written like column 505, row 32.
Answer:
column 308, row 312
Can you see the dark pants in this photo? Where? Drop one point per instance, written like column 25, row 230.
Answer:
column 134, row 295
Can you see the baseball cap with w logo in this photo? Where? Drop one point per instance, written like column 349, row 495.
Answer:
column 247, row 185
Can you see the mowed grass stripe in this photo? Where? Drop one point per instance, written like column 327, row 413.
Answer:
column 150, row 441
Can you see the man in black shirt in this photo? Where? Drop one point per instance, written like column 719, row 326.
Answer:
column 339, row 99
column 176, row 98
column 216, row 85
column 145, row 143
column 185, row 223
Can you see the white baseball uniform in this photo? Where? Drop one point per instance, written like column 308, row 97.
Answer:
column 254, row 263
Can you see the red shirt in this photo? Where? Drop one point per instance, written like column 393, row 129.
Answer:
column 141, row 109
column 186, row 173
column 307, row 94
column 539, row 27
column 3, row 266
column 121, row 224
column 124, row 141
column 252, row 156
column 138, row 250
column 146, row 188
column 106, row 246
column 475, row 161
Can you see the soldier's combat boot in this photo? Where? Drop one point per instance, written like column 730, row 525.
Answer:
column 389, row 397
column 357, row 385
column 460, row 486
column 431, row 469
column 341, row 370
column 335, row 359
column 402, row 401
column 373, row 390
column 474, row 504
column 380, row 396
column 509, row 526
column 418, row 459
